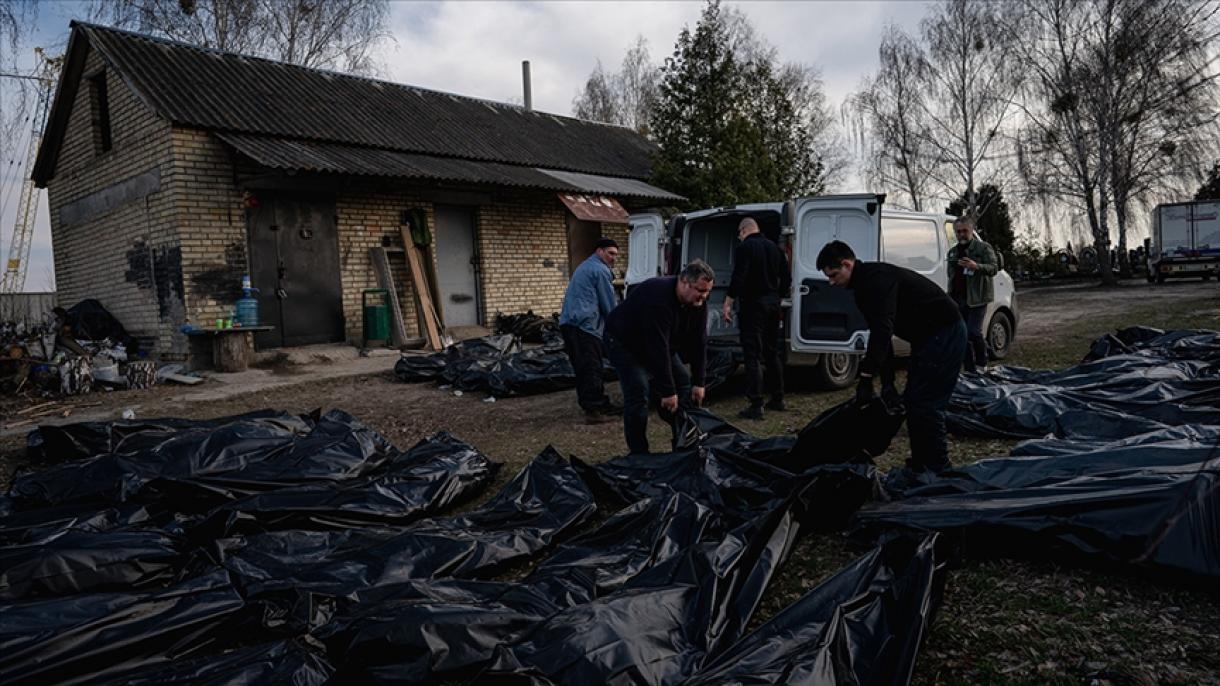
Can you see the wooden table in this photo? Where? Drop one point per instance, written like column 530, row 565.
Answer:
column 230, row 352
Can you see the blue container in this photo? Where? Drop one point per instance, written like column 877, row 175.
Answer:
column 247, row 311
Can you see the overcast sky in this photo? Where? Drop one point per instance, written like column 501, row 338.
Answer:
column 476, row 48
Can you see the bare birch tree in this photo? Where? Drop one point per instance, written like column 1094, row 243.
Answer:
column 888, row 120
column 1120, row 103
column 972, row 83
column 624, row 97
column 1061, row 150
column 328, row 34
column 1162, row 115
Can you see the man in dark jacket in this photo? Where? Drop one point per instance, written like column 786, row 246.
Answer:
column 761, row 279
column 662, row 323
column 899, row 302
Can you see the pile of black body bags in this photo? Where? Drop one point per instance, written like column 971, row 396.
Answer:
column 503, row 365
column 269, row 548
column 1121, row 465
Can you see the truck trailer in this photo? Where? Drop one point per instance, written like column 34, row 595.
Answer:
column 1185, row 241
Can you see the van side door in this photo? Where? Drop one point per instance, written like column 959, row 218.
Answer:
column 916, row 242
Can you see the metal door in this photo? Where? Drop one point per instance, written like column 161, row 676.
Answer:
column 457, row 266
column 294, row 262
column 826, row 319
column 645, row 247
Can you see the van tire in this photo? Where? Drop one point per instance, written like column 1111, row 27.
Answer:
column 999, row 335
column 836, row 370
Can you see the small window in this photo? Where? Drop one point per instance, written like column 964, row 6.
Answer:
column 910, row 243
column 101, row 113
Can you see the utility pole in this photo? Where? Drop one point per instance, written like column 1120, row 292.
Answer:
column 17, row 264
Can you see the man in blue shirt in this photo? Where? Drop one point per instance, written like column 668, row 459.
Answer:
column 589, row 298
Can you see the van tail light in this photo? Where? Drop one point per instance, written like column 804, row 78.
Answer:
column 666, row 266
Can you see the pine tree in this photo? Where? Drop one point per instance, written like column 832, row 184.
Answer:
column 727, row 121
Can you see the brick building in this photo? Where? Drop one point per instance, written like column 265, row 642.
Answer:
column 173, row 170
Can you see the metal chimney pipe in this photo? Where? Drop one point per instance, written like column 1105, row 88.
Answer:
column 525, row 84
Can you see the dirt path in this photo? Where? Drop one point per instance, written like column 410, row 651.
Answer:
column 1044, row 310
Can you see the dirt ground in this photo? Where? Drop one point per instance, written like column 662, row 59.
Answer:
column 1044, row 310
column 1002, row 622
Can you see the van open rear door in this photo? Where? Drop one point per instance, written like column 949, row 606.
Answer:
column 645, row 247
column 824, row 317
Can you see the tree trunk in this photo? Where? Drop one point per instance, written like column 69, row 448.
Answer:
column 1101, row 237
column 1101, row 243
column 1124, row 261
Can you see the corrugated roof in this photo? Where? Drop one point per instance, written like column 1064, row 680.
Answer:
column 230, row 92
column 227, row 92
column 279, row 153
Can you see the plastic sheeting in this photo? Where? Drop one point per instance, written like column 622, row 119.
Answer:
column 1156, row 382
column 848, row 432
column 546, row 502
column 393, row 634
column 499, row 366
column 292, row 549
column 1142, row 340
column 529, row 327
column 864, row 625
column 1151, row 501
column 82, row 638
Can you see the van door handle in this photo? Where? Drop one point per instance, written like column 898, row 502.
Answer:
column 803, row 290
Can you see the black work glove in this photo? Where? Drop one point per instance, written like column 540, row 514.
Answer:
column 864, row 390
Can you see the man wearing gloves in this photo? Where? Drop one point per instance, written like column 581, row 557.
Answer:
column 896, row 301
column 972, row 264
column 661, row 324
column 589, row 298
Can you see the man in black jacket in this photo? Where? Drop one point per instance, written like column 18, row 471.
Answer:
column 899, row 302
column 662, row 323
column 761, row 279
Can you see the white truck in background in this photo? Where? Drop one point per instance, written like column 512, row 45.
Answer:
column 1185, row 240
column 822, row 328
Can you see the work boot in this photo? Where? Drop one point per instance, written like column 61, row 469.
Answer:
column 777, row 405
column 611, row 409
column 597, row 417
column 752, row 411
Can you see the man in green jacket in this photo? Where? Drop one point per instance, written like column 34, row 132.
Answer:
column 972, row 265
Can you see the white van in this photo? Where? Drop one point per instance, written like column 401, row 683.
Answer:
column 823, row 327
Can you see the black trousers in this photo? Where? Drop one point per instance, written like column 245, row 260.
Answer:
column 759, row 326
column 585, row 351
column 976, row 343
column 931, row 377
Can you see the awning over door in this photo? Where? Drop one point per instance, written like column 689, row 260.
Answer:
column 594, row 208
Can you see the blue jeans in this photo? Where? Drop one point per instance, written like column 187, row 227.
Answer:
column 635, row 383
column 931, row 378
